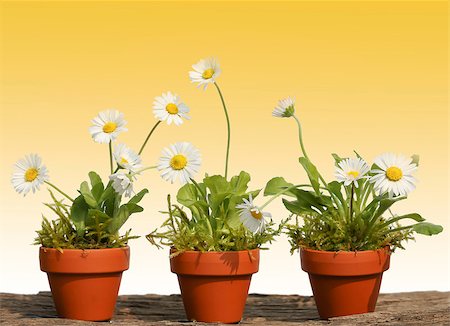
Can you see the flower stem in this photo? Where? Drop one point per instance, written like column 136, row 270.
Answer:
column 148, row 136
column 351, row 201
column 145, row 169
column 228, row 128
column 300, row 138
column 59, row 190
column 110, row 157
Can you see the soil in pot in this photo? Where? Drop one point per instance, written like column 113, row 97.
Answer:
column 85, row 283
column 345, row 283
column 214, row 285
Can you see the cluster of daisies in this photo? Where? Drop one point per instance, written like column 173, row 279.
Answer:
column 179, row 161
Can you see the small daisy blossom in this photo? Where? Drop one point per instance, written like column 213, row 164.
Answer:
column 205, row 72
column 285, row 108
column 351, row 170
column 122, row 183
column 179, row 161
column 251, row 216
column 168, row 107
column 29, row 174
column 394, row 175
column 127, row 158
column 107, row 126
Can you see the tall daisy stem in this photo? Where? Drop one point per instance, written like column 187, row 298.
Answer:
column 110, row 157
column 145, row 169
column 148, row 136
column 228, row 128
column 59, row 190
column 300, row 138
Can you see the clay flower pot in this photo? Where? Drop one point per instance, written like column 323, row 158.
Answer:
column 345, row 283
column 214, row 285
column 85, row 283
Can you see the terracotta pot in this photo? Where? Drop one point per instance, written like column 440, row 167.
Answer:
column 85, row 283
column 214, row 285
column 345, row 283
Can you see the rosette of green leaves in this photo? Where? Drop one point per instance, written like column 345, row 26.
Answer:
column 92, row 221
column 330, row 222
column 214, row 223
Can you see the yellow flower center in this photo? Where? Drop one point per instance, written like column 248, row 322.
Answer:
column 109, row 127
column 123, row 161
column 31, row 174
column 353, row 174
column 178, row 162
column 394, row 173
column 256, row 214
column 172, row 108
column 208, row 73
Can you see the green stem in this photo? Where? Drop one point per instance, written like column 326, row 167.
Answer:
column 351, row 202
column 59, row 190
column 145, row 169
column 110, row 157
column 148, row 136
column 228, row 128
column 300, row 138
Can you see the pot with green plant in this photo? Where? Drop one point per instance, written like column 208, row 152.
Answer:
column 81, row 250
column 215, row 249
column 345, row 229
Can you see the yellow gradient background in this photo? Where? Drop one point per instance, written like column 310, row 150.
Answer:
column 369, row 76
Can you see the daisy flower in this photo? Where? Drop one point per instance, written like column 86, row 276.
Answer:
column 169, row 108
column 122, row 183
column 394, row 175
column 126, row 158
column 29, row 174
column 285, row 108
column 107, row 126
column 205, row 72
column 351, row 170
column 251, row 216
column 179, row 161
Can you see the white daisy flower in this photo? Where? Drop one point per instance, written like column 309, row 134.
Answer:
column 285, row 108
column 29, row 174
column 205, row 72
column 122, row 183
column 351, row 170
column 107, row 126
column 395, row 174
column 252, row 217
column 179, row 161
column 127, row 158
column 169, row 108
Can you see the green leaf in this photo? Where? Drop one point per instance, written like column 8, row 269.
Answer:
column 97, row 185
column 122, row 216
column 94, row 214
column 277, row 185
column 138, row 197
column 312, row 172
column 413, row 216
column 426, row 228
column 87, row 194
column 95, row 179
column 217, row 184
column 188, row 195
column 337, row 158
column 239, row 183
column 79, row 213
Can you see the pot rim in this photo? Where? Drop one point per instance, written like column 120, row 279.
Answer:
column 84, row 250
column 345, row 252
column 79, row 261
column 172, row 249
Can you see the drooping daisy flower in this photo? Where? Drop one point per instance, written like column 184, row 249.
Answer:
column 29, row 174
column 122, row 183
column 107, row 126
column 127, row 158
column 351, row 170
column 285, row 108
column 251, row 216
column 395, row 174
column 205, row 72
column 179, row 161
column 168, row 107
